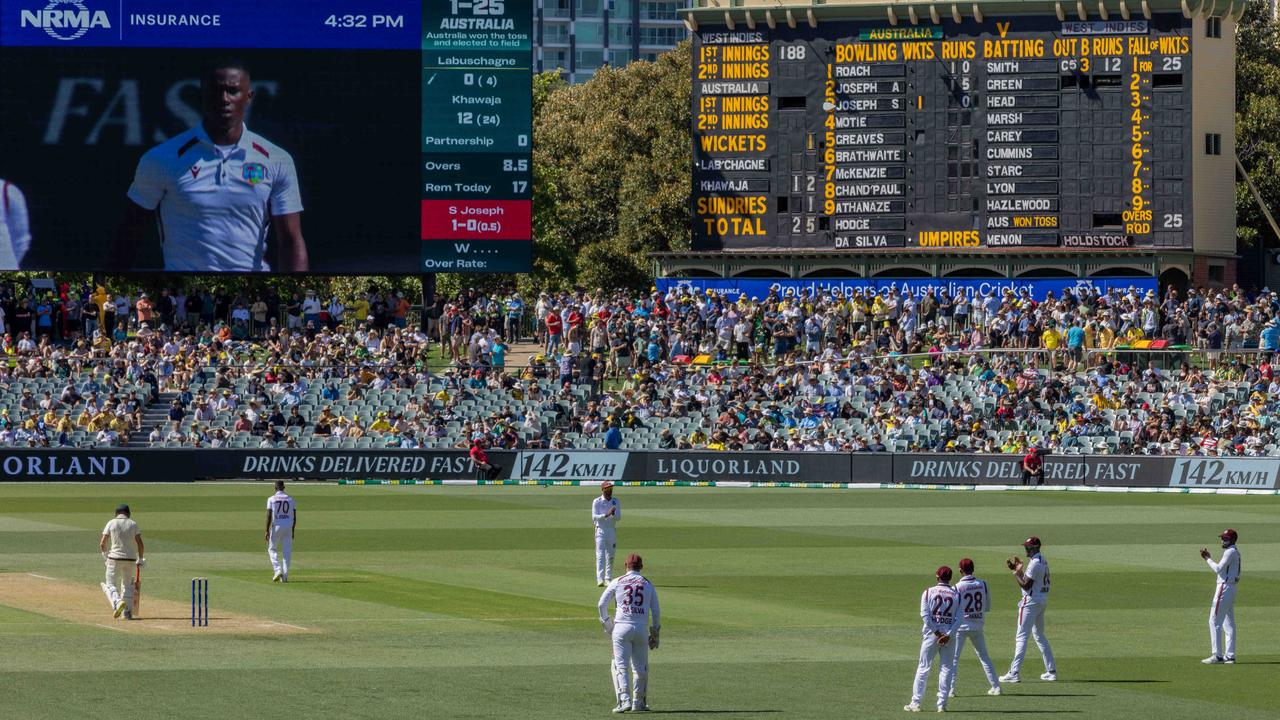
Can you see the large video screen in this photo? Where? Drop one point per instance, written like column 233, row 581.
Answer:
column 292, row 136
column 1009, row 132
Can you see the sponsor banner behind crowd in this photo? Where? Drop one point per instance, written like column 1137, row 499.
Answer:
column 176, row 465
column 1038, row 289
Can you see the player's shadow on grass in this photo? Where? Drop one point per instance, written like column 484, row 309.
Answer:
column 1112, row 681
column 1015, row 712
column 710, row 712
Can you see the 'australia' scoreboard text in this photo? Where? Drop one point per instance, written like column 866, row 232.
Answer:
column 1018, row 132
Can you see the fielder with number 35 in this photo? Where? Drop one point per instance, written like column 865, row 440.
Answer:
column 637, row 606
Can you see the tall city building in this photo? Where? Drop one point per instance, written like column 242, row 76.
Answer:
column 579, row 37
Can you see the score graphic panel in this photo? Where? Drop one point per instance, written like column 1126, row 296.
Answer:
column 477, row 130
column 407, row 150
column 1026, row 132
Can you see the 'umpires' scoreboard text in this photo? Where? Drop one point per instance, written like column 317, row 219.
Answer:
column 1020, row 132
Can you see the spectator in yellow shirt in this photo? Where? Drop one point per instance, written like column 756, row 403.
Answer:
column 380, row 424
column 1051, row 340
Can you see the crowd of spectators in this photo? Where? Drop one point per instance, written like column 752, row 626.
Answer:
column 999, row 372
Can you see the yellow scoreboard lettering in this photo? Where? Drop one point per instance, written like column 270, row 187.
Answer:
column 720, row 143
column 949, row 238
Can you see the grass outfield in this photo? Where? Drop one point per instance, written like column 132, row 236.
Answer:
column 479, row 602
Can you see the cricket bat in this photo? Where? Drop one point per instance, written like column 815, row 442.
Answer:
column 137, row 589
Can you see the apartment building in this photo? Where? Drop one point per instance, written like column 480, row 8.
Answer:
column 579, row 37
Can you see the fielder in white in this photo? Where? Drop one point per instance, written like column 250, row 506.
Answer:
column 120, row 539
column 940, row 610
column 282, row 522
column 1222, row 616
column 605, row 512
column 1034, row 581
column 975, row 600
column 637, row 606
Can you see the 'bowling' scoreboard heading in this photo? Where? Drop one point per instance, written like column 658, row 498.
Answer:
column 1022, row 132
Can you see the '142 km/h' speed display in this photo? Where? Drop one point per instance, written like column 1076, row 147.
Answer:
column 1021, row 132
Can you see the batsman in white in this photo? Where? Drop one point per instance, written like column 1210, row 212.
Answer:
column 605, row 512
column 636, row 607
column 940, row 610
column 1222, row 616
column 282, row 522
column 120, row 538
column 975, row 600
column 1033, row 579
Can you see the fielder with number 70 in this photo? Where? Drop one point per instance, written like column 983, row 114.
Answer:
column 637, row 603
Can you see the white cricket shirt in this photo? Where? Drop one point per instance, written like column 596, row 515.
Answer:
column 1227, row 569
column 15, row 226
column 121, row 531
column 974, row 602
column 599, row 513
column 282, row 510
column 1038, row 571
column 939, row 609
column 214, row 205
column 635, row 599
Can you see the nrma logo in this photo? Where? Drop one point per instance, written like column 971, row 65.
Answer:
column 66, row 19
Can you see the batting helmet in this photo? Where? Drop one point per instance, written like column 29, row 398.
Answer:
column 944, row 574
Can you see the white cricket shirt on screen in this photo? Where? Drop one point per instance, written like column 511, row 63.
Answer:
column 15, row 226
column 214, row 204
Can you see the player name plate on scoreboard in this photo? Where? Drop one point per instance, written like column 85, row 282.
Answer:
column 1017, row 132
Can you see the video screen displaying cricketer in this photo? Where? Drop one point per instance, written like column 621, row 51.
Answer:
column 284, row 137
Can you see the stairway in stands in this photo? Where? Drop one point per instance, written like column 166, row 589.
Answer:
column 157, row 413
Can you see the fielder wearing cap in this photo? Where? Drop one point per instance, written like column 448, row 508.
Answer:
column 636, row 603
column 214, row 190
column 605, row 512
column 975, row 602
column 1222, row 614
column 119, row 540
column 1033, row 579
column 940, row 611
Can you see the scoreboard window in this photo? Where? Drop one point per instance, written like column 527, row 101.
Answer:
column 1017, row 132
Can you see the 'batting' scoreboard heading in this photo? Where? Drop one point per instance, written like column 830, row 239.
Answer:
column 1022, row 132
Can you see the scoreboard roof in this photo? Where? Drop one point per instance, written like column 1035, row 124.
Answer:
column 772, row 12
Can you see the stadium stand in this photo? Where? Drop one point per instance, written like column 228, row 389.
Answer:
column 1085, row 373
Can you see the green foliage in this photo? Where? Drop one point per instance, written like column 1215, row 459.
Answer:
column 1258, row 121
column 611, row 173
